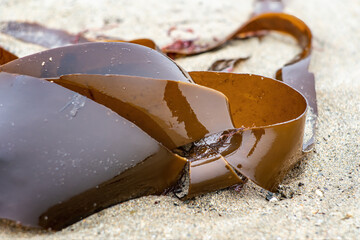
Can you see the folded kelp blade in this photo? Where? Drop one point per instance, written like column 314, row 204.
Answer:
column 270, row 116
column 177, row 113
column 98, row 58
column 190, row 109
column 6, row 56
column 64, row 157
column 207, row 170
column 174, row 113
column 295, row 73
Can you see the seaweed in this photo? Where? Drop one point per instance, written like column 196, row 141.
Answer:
column 89, row 125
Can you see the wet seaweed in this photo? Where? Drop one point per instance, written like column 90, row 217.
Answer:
column 88, row 125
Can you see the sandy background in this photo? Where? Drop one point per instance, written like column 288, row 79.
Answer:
column 323, row 191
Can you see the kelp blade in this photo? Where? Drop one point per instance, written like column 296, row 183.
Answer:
column 268, row 117
column 295, row 73
column 64, row 157
column 207, row 170
column 271, row 115
column 172, row 112
column 98, row 58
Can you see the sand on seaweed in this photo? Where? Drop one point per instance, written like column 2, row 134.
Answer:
column 323, row 190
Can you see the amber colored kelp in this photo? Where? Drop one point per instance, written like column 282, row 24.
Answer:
column 89, row 125
column 295, row 73
column 80, row 145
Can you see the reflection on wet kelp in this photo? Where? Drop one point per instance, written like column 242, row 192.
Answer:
column 90, row 125
column 172, row 112
column 58, row 151
column 73, row 139
column 98, row 58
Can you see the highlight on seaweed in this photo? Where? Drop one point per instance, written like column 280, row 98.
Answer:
column 90, row 124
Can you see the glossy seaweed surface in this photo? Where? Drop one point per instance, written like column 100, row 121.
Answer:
column 86, row 126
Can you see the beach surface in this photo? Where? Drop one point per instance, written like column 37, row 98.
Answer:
column 322, row 192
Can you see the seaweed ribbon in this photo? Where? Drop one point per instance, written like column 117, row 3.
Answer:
column 295, row 73
column 86, row 126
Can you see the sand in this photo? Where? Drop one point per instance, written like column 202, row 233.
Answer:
column 322, row 191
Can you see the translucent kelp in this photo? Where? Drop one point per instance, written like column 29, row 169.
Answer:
column 70, row 138
column 89, row 125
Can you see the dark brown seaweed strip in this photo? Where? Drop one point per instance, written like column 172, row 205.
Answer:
column 174, row 113
column 63, row 156
column 6, row 56
column 297, row 76
column 98, row 58
column 40, row 35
